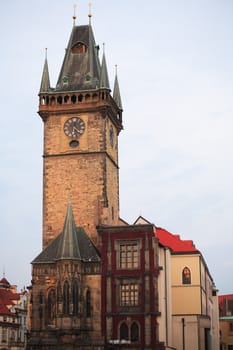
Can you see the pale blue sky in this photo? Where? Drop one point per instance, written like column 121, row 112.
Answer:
column 175, row 69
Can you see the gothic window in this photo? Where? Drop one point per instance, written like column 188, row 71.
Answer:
column 129, row 294
column 59, row 100
column 186, row 276
column 59, row 292
column 73, row 99
column 66, row 298
column 88, row 303
column 66, row 99
column 41, row 297
column 129, row 255
column 51, row 305
column 75, row 297
column 80, row 98
column 129, row 332
column 124, row 331
column 134, row 332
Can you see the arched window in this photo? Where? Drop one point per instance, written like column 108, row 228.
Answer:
column 75, row 297
column 51, row 305
column 66, row 298
column 73, row 99
column 80, row 98
column 41, row 297
column 59, row 100
column 59, row 293
column 186, row 276
column 124, row 331
column 88, row 303
column 134, row 332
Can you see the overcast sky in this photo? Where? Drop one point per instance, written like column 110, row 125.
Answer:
column 175, row 69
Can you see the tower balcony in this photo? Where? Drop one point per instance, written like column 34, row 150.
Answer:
column 80, row 101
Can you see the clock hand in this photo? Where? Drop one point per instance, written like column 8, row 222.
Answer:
column 74, row 128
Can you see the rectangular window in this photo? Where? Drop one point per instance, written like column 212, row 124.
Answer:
column 129, row 255
column 231, row 326
column 4, row 335
column 129, row 294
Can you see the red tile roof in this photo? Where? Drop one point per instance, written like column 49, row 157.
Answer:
column 174, row 242
column 224, row 297
column 7, row 297
column 4, row 309
column 4, row 281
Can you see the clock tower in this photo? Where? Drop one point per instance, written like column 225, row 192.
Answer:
column 82, row 121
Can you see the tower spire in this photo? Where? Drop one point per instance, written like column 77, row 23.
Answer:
column 116, row 91
column 45, row 81
column 104, row 81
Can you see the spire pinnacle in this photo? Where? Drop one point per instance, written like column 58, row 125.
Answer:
column 104, row 81
column 90, row 14
column 45, row 81
column 74, row 15
column 116, row 91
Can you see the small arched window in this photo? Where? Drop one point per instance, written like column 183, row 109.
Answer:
column 186, row 276
column 88, row 303
column 51, row 305
column 134, row 332
column 124, row 331
column 59, row 292
column 75, row 297
column 66, row 298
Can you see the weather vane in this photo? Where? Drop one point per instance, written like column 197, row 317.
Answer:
column 89, row 14
column 74, row 15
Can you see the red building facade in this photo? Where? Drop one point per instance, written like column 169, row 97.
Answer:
column 130, row 287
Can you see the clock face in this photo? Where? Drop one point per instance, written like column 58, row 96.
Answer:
column 74, row 127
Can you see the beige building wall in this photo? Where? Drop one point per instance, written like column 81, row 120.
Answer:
column 165, row 297
column 186, row 297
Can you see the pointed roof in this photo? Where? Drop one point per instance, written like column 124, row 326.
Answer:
column 81, row 68
column 116, row 93
column 4, row 283
column 104, row 81
column 45, row 81
column 72, row 243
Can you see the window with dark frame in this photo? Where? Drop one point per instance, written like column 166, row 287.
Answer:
column 129, row 255
column 129, row 294
column 129, row 332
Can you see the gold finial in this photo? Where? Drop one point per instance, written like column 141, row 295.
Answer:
column 74, row 15
column 90, row 14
